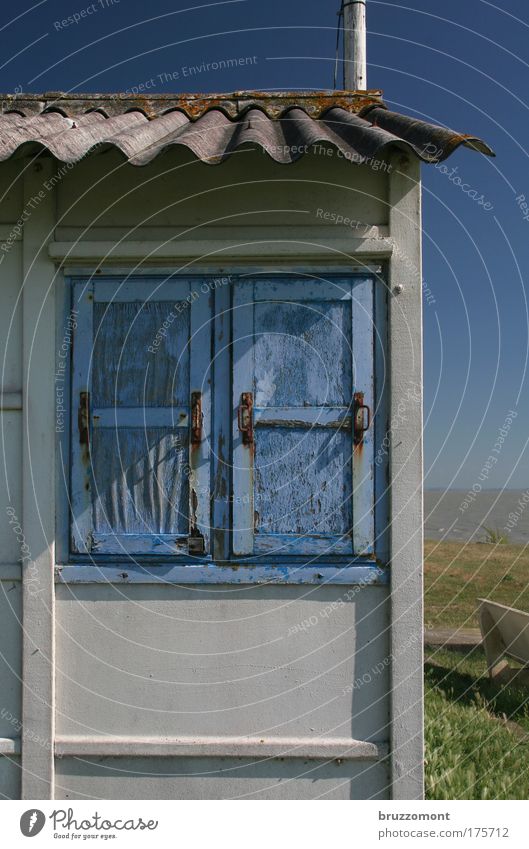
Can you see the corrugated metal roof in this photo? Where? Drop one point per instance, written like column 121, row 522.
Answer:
column 285, row 125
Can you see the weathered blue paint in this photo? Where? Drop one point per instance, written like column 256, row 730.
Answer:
column 141, row 348
column 302, row 346
column 133, row 364
column 298, row 345
column 221, row 441
column 140, row 481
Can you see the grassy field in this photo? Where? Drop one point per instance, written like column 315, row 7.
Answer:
column 456, row 574
column 477, row 734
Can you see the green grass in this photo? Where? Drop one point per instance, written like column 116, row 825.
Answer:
column 456, row 574
column 473, row 748
column 477, row 732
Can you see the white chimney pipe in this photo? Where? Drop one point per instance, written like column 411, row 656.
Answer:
column 354, row 42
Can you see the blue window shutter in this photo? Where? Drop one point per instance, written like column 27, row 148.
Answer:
column 303, row 348
column 140, row 483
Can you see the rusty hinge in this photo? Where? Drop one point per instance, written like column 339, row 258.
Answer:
column 361, row 418
column 245, row 418
column 196, row 418
column 83, row 418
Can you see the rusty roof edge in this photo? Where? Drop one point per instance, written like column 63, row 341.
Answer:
column 194, row 105
column 231, row 95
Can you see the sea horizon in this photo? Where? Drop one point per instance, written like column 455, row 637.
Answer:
column 464, row 515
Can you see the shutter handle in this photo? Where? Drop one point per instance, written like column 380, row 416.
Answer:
column 83, row 418
column 361, row 418
column 245, row 418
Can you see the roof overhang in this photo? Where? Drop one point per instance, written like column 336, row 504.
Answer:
column 214, row 126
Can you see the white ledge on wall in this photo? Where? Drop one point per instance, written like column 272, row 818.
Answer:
column 219, row 249
column 366, row 573
column 224, row 747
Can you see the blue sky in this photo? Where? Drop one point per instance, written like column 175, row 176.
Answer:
column 462, row 64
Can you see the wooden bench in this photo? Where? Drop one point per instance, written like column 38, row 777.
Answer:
column 505, row 633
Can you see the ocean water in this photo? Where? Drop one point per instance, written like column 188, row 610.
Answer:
column 455, row 514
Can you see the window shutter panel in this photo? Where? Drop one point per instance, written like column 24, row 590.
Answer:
column 140, row 477
column 302, row 353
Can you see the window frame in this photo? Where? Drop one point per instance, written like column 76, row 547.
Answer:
column 223, row 567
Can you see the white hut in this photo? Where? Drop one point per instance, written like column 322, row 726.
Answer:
column 211, row 551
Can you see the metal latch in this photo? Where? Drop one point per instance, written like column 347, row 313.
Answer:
column 245, row 418
column 195, row 543
column 361, row 418
column 196, row 418
column 83, row 418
